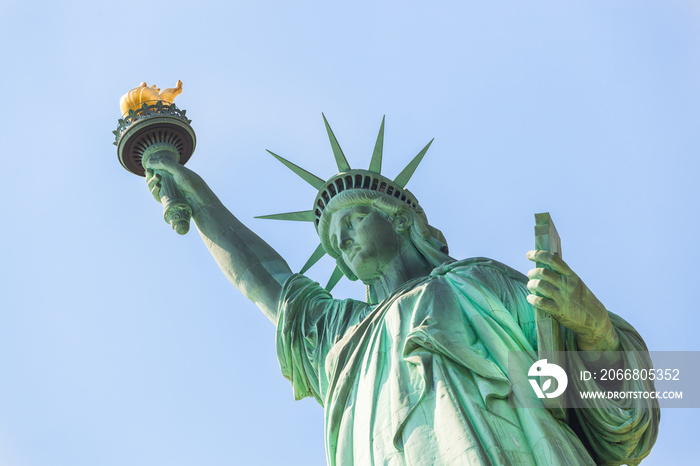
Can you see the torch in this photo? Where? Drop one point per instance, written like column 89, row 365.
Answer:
column 152, row 126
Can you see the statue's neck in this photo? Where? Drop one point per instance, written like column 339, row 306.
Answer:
column 407, row 265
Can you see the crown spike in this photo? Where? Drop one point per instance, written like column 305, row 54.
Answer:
column 301, row 216
column 375, row 165
column 310, row 178
column 315, row 257
column 335, row 278
column 406, row 173
column 340, row 159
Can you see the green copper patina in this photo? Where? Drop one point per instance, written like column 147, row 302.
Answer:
column 418, row 374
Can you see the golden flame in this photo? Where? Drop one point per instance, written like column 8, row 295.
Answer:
column 137, row 96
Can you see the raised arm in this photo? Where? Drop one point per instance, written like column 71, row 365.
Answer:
column 256, row 269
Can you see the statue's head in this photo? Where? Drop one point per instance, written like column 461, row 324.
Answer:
column 385, row 212
column 365, row 230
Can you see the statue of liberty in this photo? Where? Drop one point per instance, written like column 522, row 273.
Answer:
column 418, row 374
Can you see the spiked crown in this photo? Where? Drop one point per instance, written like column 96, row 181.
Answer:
column 349, row 179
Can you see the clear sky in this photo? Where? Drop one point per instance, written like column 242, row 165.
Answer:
column 121, row 343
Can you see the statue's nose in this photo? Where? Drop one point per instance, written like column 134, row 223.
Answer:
column 345, row 241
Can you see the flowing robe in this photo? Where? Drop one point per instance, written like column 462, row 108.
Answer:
column 422, row 378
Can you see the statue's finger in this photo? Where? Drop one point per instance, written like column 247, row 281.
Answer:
column 153, row 181
column 551, row 259
column 540, row 256
column 546, row 304
column 545, row 274
column 559, row 265
column 155, row 190
column 545, row 289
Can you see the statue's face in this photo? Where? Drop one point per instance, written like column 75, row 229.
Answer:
column 366, row 239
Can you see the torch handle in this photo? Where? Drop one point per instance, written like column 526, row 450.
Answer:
column 176, row 211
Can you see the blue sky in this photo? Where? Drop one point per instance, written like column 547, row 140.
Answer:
column 121, row 343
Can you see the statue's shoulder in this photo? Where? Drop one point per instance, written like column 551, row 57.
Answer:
column 480, row 268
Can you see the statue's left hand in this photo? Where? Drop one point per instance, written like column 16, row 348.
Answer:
column 565, row 297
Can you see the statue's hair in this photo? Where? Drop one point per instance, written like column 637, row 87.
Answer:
column 429, row 241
